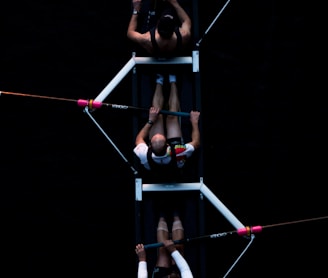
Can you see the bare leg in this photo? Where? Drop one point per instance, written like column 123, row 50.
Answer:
column 178, row 233
column 163, row 258
column 172, row 122
column 158, row 101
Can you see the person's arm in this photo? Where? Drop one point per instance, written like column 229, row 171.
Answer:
column 182, row 264
column 133, row 24
column 184, row 18
column 142, row 266
column 178, row 258
column 144, row 132
column 195, row 134
column 142, row 39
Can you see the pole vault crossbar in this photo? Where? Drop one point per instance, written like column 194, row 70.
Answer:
column 194, row 60
column 198, row 186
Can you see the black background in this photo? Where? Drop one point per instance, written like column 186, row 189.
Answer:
column 67, row 197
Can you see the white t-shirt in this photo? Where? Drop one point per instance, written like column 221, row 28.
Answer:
column 179, row 260
column 182, row 153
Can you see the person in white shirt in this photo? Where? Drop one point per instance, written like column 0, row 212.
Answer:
column 160, row 142
column 170, row 261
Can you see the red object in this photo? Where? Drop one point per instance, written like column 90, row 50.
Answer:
column 249, row 230
column 90, row 103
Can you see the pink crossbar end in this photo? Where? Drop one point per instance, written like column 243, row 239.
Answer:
column 96, row 104
column 84, row 103
column 256, row 229
column 248, row 231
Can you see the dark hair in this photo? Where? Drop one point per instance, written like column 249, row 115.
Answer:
column 166, row 25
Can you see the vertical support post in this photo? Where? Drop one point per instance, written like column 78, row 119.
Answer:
column 135, row 99
column 202, row 252
column 137, row 209
column 138, row 200
column 197, row 87
column 138, row 182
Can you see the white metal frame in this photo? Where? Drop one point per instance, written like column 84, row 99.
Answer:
column 139, row 187
column 194, row 60
column 200, row 186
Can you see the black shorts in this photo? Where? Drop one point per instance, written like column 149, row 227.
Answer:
column 160, row 272
column 175, row 141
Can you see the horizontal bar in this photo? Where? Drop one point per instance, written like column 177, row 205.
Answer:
column 163, row 61
column 171, row 186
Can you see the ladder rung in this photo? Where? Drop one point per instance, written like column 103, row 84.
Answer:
column 171, row 186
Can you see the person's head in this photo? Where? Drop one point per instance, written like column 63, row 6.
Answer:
column 166, row 25
column 158, row 144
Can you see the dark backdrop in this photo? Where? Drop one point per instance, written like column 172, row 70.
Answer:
column 67, row 197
